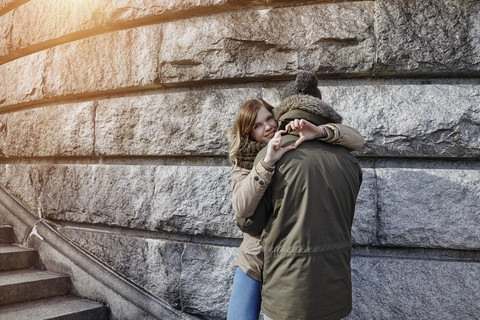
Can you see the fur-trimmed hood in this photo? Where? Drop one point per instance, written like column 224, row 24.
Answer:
column 306, row 107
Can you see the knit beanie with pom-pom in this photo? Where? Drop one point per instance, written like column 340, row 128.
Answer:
column 301, row 99
column 305, row 83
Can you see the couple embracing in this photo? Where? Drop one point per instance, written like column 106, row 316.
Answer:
column 294, row 188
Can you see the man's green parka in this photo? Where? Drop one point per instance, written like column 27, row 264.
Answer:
column 307, row 239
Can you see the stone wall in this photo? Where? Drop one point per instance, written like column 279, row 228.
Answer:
column 113, row 117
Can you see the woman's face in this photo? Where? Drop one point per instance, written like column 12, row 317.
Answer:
column 264, row 127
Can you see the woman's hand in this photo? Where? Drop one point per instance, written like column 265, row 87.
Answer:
column 275, row 150
column 306, row 129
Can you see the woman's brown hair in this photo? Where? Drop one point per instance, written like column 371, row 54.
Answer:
column 239, row 134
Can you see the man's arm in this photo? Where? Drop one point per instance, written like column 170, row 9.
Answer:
column 334, row 133
column 343, row 135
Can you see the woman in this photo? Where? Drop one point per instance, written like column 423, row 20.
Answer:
column 254, row 128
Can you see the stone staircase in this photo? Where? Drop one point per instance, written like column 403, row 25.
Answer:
column 26, row 292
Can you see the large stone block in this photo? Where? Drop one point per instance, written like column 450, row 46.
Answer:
column 53, row 22
column 64, row 130
column 194, row 200
column 154, row 264
column 413, row 119
column 112, row 195
column 195, row 278
column 185, row 122
column 23, row 80
column 428, row 36
column 407, row 118
column 386, row 288
column 447, row 33
column 99, row 63
column 207, row 276
column 330, row 38
column 434, row 206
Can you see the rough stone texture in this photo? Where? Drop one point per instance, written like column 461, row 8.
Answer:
column 213, row 47
column 256, row 43
column 6, row 21
column 365, row 218
column 425, row 36
column 155, row 264
column 407, row 118
column 65, row 130
column 448, row 33
column 59, row 21
column 176, row 123
column 195, row 122
column 84, row 66
column 25, row 183
column 437, row 120
column 180, row 123
column 219, row 47
column 185, row 199
column 195, row 278
column 194, row 200
column 207, row 274
column 414, row 210
column 69, row 20
column 386, row 288
column 7, row 4
column 95, row 194
column 19, row 83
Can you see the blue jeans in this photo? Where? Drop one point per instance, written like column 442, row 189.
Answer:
column 245, row 299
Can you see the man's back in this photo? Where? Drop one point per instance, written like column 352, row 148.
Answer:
column 307, row 240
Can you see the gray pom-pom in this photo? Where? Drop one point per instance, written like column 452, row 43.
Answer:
column 306, row 83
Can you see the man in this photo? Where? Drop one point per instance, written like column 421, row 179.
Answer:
column 307, row 238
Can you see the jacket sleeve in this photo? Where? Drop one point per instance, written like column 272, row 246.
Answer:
column 254, row 224
column 248, row 188
column 343, row 135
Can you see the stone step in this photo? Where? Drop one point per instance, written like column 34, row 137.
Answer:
column 30, row 284
column 14, row 257
column 58, row 308
column 6, row 234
